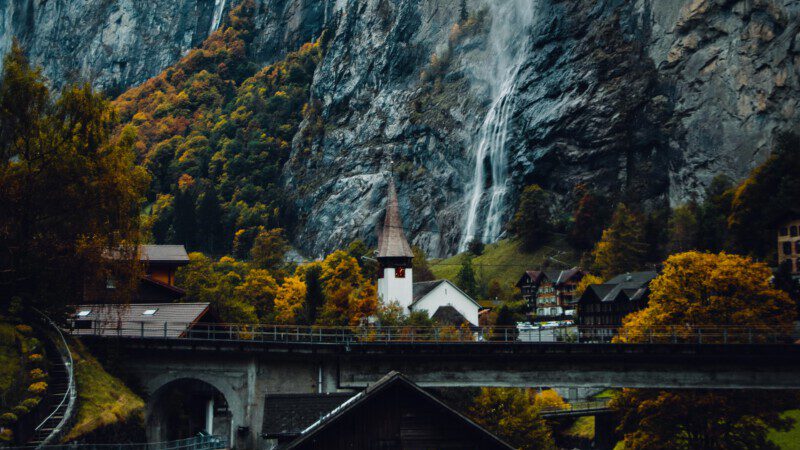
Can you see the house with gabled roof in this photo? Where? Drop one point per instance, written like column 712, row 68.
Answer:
column 549, row 293
column 602, row 307
column 393, row 413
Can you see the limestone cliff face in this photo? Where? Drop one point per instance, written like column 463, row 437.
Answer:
column 645, row 100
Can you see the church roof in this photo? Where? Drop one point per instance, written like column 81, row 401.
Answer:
column 392, row 242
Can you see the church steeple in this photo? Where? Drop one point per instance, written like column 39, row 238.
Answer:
column 395, row 279
column 392, row 242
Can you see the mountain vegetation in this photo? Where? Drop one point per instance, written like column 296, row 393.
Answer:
column 214, row 130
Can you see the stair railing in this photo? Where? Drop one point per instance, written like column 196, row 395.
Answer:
column 70, row 396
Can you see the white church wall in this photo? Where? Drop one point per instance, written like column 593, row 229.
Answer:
column 393, row 289
column 446, row 294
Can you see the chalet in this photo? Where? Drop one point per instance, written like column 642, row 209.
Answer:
column 602, row 306
column 396, row 277
column 789, row 245
column 549, row 293
column 157, row 284
column 393, row 413
column 140, row 319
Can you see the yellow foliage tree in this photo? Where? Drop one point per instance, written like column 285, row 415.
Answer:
column 258, row 290
column 622, row 247
column 697, row 290
column 513, row 415
column 705, row 290
column 349, row 297
column 289, row 300
column 585, row 282
column 549, row 399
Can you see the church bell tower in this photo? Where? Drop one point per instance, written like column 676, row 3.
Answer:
column 395, row 278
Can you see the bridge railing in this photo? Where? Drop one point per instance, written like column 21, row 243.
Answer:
column 577, row 408
column 202, row 442
column 437, row 334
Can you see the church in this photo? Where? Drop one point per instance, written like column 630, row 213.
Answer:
column 441, row 299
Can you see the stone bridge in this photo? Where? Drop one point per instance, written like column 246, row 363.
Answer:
column 241, row 373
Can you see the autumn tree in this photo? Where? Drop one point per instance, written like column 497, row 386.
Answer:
column 349, row 297
column 70, row 192
column 290, row 300
column 259, row 289
column 531, row 223
column 216, row 283
column 712, row 220
column 622, row 248
column 513, row 415
column 585, row 282
column 269, row 249
column 706, row 290
column 588, row 219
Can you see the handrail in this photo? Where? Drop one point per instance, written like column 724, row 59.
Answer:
column 205, row 442
column 70, row 395
column 367, row 334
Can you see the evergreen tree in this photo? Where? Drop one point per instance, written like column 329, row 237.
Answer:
column 475, row 247
column 712, row 233
column 589, row 218
column 683, row 229
column 466, row 277
column 422, row 271
column 622, row 248
column 506, row 324
column 315, row 297
column 209, row 223
column 463, row 14
column 531, row 223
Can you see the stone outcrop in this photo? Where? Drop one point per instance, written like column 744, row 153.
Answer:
column 645, row 100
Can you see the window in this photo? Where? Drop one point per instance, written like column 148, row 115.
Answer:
column 84, row 313
column 794, row 230
column 797, row 247
column 784, row 231
column 400, row 272
column 111, row 283
column 150, row 312
column 787, row 248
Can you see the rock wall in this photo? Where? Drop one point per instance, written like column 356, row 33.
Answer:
column 646, row 100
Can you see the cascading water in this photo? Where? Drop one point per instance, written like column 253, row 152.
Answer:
column 508, row 39
column 216, row 18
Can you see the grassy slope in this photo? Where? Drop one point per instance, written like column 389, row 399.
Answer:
column 506, row 261
column 789, row 440
column 103, row 400
column 9, row 356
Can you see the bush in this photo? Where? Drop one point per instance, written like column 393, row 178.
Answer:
column 38, row 374
column 20, row 410
column 475, row 247
column 24, row 329
column 8, row 418
column 35, row 358
column 31, row 402
column 37, row 388
column 6, row 435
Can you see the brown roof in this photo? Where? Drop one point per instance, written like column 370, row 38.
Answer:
column 392, row 242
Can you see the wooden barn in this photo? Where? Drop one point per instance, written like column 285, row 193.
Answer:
column 393, row 414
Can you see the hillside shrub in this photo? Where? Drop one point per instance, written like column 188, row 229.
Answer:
column 8, row 418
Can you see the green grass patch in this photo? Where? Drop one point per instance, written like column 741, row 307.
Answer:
column 608, row 393
column 506, row 261
column 10, row 357
column 582, row 428
column 103, row 400
column 788, row 440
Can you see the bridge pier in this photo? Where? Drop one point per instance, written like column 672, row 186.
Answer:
column 604, row 427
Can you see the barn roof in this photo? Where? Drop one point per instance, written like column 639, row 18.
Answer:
column 391, row 379
column 286, row 415
column 392, row 242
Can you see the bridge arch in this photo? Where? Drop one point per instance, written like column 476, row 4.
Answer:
column 181, row 405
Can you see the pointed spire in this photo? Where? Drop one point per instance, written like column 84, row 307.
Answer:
column 392, row 242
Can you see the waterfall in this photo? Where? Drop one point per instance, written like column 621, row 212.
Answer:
column 508, row 48
column 216, row 18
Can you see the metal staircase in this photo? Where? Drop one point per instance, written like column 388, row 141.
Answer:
column 61, row 393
